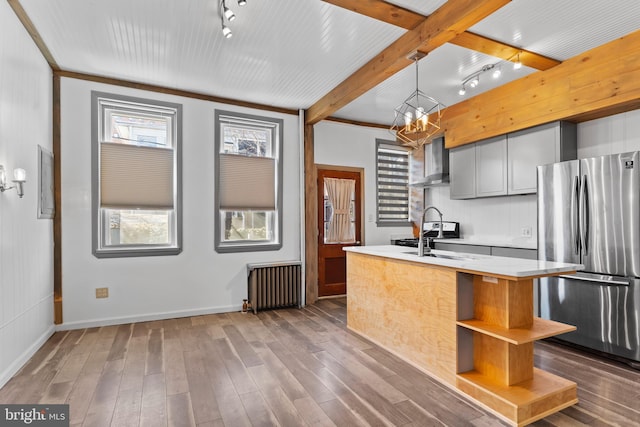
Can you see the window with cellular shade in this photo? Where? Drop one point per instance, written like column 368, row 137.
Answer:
column 135, row 177
column 249, row 183
column 392, row 170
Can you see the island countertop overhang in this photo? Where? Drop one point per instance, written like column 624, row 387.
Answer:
column 490, row 265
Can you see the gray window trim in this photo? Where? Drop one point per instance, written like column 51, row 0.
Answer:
column 248, row 246
column 150, row 250
column 387, row 223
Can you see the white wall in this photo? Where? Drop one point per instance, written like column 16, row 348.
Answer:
column 340, row 144
column 26, row 243
column 198, row 280
column 609, row 135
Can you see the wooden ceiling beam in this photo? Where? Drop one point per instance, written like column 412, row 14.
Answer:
column 451, row 19
column 407, row 19
column 597, row 83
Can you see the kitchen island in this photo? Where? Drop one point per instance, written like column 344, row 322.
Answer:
column 465, row 319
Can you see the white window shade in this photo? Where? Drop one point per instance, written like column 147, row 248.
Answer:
column 135, row 177
column 248, row 183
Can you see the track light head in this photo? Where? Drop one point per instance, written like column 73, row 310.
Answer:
column 497, row 73
column 474, row 81
column 462, row 90
column 228, row 13
column 242, row 2
column 226, row 32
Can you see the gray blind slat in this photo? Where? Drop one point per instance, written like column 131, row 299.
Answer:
column 247, row 183
column 135, row 177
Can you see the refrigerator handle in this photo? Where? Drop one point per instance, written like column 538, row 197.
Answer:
column 575, row 237
column 584, row 216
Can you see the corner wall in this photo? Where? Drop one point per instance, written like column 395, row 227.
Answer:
column 26, row 242
column 198, row 280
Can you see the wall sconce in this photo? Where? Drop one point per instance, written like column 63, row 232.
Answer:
column 19, row 178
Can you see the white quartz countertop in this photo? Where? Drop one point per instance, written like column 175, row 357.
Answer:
column 485, row 264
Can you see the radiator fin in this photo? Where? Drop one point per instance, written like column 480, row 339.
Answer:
column 275, row 285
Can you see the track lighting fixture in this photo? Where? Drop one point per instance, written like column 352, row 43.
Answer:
column 517, row 64
column 228, row 15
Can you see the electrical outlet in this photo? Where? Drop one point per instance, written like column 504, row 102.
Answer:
column 102, row 292
column 525, row 231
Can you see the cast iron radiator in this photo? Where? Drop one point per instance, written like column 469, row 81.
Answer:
column 275, row 285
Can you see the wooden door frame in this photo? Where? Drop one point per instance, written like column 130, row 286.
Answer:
column 311, row 239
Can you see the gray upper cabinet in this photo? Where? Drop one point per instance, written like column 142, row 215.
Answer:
column 491, row 167
column 462, row 172
column 507, row 164
column 541, row 145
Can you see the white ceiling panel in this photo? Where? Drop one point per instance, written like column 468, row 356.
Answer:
column 561, row 29
column 290, row 53
column 286, row 53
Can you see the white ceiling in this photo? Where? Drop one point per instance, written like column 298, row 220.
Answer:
column 290, row 53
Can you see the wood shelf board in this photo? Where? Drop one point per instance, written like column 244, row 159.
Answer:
column 541, row 329
column 543, row 385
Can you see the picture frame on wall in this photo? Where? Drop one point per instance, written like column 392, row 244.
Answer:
column 46, row 197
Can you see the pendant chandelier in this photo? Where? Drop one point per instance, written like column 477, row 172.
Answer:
column 418, row 118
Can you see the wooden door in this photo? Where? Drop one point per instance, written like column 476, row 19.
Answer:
column 339, row 224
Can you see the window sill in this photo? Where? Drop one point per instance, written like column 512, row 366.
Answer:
column 129, row 253
column 246, row 247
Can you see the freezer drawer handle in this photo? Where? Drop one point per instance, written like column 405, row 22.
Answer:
column 610, row 281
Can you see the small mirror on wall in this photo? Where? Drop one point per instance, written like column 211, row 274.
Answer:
column 46, row 199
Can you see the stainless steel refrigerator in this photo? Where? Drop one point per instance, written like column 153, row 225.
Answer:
column 589, row 213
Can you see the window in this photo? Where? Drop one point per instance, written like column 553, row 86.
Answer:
column 136, row 176
column 248, row 182
column 392, row 183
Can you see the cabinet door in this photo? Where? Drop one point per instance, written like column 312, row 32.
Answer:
column 491, row 167
column 462, row 172
column 527, row 149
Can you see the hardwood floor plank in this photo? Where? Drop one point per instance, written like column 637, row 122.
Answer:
column 203, row 401
column 257, row 410
column 153, row 412
column 179, row 410
column 242, row 347
column 289, row 367
column 155, row 357
column 312, row 413
column 120, row 342
column 127, row 408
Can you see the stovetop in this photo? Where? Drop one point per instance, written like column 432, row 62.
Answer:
column 450, row 230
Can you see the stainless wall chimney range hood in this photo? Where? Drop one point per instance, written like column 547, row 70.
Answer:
column 436, row 160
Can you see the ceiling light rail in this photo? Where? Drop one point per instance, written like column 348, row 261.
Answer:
column 228, row 15
column 473, row 79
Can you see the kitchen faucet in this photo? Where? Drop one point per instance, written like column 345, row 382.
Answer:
column 421, row 249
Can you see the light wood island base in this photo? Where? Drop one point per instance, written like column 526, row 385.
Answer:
column 472, row 332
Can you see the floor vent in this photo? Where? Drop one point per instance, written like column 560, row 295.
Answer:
column 275, row 285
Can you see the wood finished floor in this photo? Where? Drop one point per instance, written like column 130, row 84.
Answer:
column 288, row 368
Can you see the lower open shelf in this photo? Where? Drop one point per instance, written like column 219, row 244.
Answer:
column 522, row 403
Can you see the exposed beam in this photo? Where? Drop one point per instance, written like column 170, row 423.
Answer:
column 596, row 83
column 452, row 18
column 171, row 91
column 503, row 51
column 35, row 35
column 382, row 11
column 407, row 19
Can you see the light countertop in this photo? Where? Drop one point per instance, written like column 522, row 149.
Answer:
column 484, row 264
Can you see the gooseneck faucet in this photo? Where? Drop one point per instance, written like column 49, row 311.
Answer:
column 421, row 248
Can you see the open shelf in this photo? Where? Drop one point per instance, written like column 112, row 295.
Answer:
column 526, row 401
column 540, row 329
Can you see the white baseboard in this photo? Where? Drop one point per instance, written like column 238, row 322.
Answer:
column 17, row 364
column 82, row 324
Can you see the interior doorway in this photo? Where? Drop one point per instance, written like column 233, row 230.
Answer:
column 340, row 214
